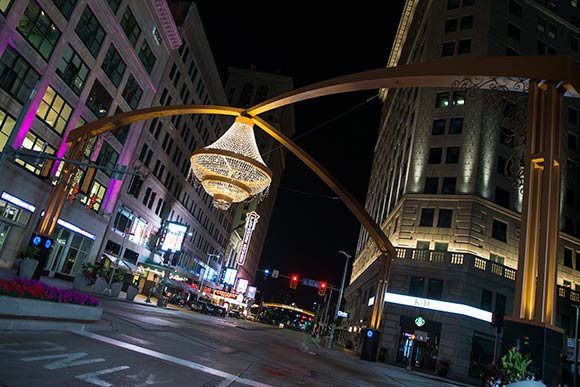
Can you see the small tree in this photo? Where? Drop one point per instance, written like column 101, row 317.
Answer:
column 30, row 252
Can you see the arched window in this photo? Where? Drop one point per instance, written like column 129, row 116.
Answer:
column 246, row 95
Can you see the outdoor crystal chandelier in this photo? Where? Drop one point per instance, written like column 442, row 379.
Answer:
column 231, row 169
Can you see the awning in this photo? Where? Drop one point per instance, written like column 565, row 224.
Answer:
column 123, row 264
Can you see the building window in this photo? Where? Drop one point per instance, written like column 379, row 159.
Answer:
column 450, row 25
column 449, row 185
column 572, row 115
column 570, row 197
column 65, row 7
column 502, row 197
column 35, row 143
column 541, row 25
column 486, row 297
column 441, row 246
column 131, row 27
column 107, row 158
column 568, row 257
column 423, row 245
column 445, row 217
column 442, row 100
column 17, row 77
column 452, row 155
column 431, row 185
column 513, row 32
column 147, row 57
column 417, row 286
column 435, row 289
column 4, row 6
column 38, row 30
column 427, row 215
column 499, row 230
column 99, row 100
column 496, row 258
column 466, row 22
column 72, row 70
column 456, row 126
column 438, row 127
column 435, row 155
column 500, row 302
column 464, row 46
column 573, row 43
column 571, row 141
column 574, row 3
column 571, row 170
column 552, row 31
column 132, row 92
column 54, row 111
column 114, row 4
column 98, row 190
column 577, row 261
column 458, row 98
column 503, row 166
column 448, row 49
column 6, row 127
column 90, row 32
column 515, row 8
column 113, row 65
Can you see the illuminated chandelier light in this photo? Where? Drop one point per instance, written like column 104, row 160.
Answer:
column 231, row 169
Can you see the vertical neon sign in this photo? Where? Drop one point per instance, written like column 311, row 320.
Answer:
column 251, row 221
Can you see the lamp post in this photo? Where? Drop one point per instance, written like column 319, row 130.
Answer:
column 330, row 338
column 209, row 255
column 576, row 346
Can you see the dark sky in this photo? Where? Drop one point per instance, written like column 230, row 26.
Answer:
column 308, row 227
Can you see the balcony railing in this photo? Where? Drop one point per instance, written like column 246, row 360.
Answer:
column 568, row 294
column 457, row 259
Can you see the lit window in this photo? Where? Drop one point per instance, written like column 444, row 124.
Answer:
column 96, row 189
column 458, row 99
column 35, row 143
column 39, row 30
column 54, row 111
column 442, row 100
column 4, row 6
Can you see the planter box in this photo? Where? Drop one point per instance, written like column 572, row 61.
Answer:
column 28, row 307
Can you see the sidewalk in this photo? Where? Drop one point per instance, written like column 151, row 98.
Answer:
column 338, row 351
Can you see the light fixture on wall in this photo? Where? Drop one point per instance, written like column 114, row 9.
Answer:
column 231, row 169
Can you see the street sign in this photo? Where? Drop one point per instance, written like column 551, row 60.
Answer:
column 275, row 273
column 310, row 282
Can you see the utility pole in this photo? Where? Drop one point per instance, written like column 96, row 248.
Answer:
column 331, row 337
column 209, row 255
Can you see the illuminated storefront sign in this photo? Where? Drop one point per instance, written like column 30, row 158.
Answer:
column 225, row 294
column 174, row 235
column 230, row 276
column 251, row 292
column 242, row 286
column 17, row 201
column 74, row 228
column 251, row 221
column 442, row 306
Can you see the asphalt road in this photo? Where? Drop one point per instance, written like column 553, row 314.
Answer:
column 151, row 346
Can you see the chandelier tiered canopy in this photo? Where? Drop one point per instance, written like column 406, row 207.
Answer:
column 231, row 169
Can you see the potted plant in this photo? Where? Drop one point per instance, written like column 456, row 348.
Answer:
column 117, row 283
column 28, row 263
column 513, row 372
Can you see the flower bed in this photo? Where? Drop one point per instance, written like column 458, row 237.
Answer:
column 25, row 288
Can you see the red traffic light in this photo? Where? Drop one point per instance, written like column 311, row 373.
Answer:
column 323, row 285
column 322, row 289
column 293, row 281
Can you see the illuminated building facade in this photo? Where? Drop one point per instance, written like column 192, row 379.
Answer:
column 94, row 59
column 445, row 185
column 245, row 88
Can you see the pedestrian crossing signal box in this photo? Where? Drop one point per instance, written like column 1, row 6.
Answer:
column 370, row 344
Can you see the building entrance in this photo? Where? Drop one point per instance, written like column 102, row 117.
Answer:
column 418, row 345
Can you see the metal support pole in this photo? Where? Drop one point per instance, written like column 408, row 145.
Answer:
column 325, row 319
column 496, row 345
column 576, row 346
column 331, row 337
column 203, row 277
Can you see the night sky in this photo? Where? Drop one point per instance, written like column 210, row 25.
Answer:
column 309, row 224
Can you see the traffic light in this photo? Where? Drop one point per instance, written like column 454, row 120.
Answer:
column 92, row 202
column 497, row 320
column 293, row 281
column 73, row 193
column 322, row 289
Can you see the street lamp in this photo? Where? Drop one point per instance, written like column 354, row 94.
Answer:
column 330, row 338
column 209, row 255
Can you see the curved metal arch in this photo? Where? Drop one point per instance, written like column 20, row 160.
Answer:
column 112, row 122
column 443, row 73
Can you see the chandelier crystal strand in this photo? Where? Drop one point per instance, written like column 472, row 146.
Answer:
column 231, row 169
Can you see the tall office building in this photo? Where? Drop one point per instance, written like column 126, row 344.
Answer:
column 245, row 88
column 79, row 61
column 445, row 187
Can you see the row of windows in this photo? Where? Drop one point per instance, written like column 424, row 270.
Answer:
column 426, row 287
column 487, row 298
column 445, row 216
column 568, row 255
column 455, row 126
column 462, row 46
column 451, row 155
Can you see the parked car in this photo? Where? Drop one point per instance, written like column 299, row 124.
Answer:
column 234, row 313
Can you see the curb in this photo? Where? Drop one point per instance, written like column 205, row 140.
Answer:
column 44, row 325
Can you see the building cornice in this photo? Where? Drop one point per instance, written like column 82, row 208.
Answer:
column 168, row 24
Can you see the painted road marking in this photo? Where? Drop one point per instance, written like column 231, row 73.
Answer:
column 50, row 347
column 68, row 361
column 92, row 377
column 171, row 359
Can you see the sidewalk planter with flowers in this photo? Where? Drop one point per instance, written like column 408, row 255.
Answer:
column 513, row 372
column 23, row 298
